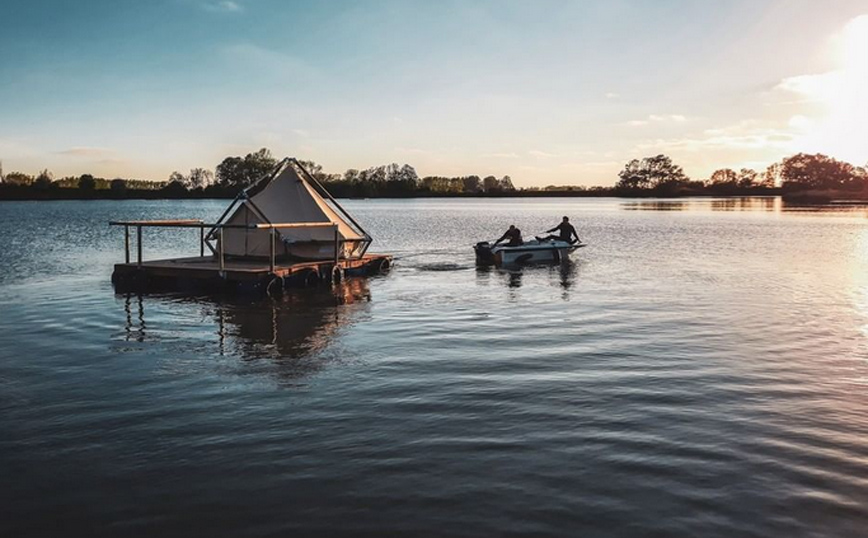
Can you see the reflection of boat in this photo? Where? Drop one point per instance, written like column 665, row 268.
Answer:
column 551, row 250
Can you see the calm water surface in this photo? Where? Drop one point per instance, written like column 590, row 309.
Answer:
column 698, row 370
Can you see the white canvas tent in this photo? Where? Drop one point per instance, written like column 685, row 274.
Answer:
column 290, row 195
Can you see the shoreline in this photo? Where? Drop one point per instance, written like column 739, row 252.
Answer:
column 27, row 195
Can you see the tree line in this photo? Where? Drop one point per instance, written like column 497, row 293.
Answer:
column 235, row 173
column 800, row 173
column 389, row 180
column 656, row 175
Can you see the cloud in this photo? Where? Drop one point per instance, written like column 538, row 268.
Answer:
column 502, row 155
column 112, row 161
column 579, row 166
column 612, row 95
column 222, row 6
column 747, row 134
column 539, row 154
column 678, row 118
column 658, row 118
column 87, row 151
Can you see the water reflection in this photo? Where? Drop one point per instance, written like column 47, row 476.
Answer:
column 562, row 274
column 134, row 329
column 294, row 332
column 655, row 205
column 769, row 204
column 749, row 203
column 566, row 271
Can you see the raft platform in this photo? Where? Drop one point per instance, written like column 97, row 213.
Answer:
column 216, row 272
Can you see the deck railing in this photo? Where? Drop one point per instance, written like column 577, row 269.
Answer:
column 140, row 224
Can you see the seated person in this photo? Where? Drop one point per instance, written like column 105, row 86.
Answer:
column 566, row 233
column 514, row 236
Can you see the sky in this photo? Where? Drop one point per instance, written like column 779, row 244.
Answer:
column 547, row 92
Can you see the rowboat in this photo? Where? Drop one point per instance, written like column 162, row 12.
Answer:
column 534, row 251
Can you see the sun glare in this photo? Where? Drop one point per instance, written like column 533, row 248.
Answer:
column 842, row 96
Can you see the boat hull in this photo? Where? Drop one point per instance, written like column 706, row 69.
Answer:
column 551, row 251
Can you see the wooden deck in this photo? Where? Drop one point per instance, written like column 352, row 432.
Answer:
column 203, row 273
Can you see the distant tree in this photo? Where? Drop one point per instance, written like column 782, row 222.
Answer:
column 175, row 189
column 351, row 175
column 407, row 174
column 818, row 172
column 862, row 174
column 199, row 178
column 506, row 184
column 18, row 178
column 313, row 169
column 771, row 176
column 724, row 176
column 438, row 184
column 490, row 184
column 747, row 178
column 375, row 174
column 240, row 172
column 392, row 171
column 86, row 183
column 118, row 186
column 177, row 177
column 43, row 180
column 650, row 172
column 471, row 184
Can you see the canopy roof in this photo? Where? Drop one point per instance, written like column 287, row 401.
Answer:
column 290, row 195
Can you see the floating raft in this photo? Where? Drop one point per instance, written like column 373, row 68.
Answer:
column 220, row 272
column 205, row 274
column 285, row 229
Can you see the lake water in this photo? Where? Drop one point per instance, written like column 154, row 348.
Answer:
column 698, row 370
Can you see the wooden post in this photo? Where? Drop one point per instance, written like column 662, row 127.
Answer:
column 337, row 246
column 201, row 241
column 221, row 251
column 126, row 244
column 272, row 249
column 139, row 244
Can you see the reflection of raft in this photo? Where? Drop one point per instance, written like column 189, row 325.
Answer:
column 535, row 251
column 286, row 229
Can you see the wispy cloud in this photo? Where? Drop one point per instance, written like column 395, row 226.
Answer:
column 222, row 6
column 612, row 95
column 678, row 118
column 539, row 154
column 580, row 166
column 658, row 118
column 87, row 151
column 748, row 134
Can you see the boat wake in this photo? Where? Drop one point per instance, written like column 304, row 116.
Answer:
column 441, row 267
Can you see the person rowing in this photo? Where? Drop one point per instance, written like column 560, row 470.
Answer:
column 566, row 232
column 514, row 236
